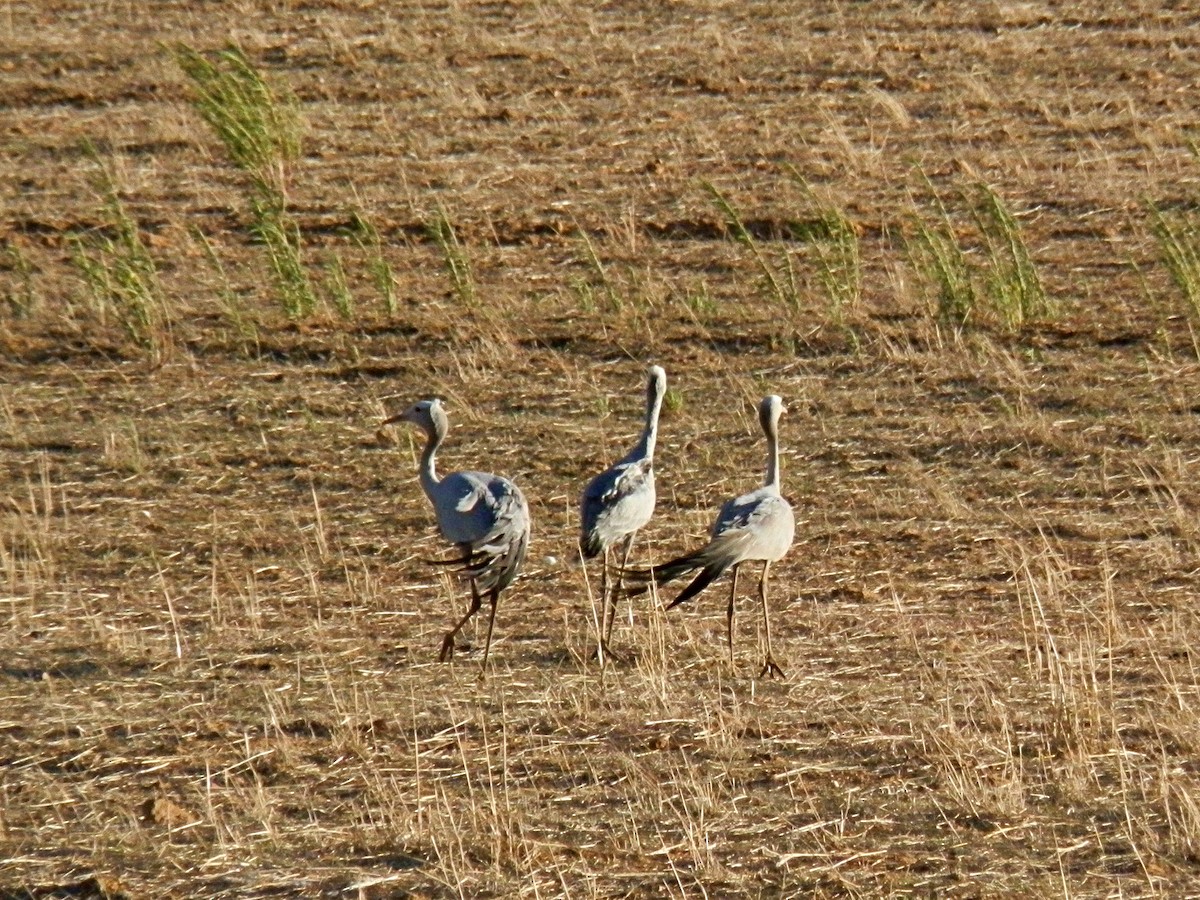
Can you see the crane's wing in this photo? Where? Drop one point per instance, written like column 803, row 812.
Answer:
column 760, row 510
column 617, row 501
column 490, row 520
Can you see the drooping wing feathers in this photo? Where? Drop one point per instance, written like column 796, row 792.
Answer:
column 487, row 516
column 754, row 526
column 617, row 502
column 496, row 570
column 706, row 577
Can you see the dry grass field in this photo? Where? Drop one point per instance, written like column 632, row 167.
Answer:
column 219, row 638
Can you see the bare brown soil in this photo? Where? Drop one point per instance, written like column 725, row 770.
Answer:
column 218, row 658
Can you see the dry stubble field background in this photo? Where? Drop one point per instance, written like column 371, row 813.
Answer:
column 218, row 654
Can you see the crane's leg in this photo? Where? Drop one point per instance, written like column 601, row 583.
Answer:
column 493, row 598
column 448, row 640
column 729, row 610
column 615, row 594
column 602, row 652
column 769, row 666
column 604, row 562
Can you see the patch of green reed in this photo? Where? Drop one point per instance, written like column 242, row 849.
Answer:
column 1004, row 282
column 455, row 261
column 1014, row 286
column 942, row 267
column 117, row 269
column 258, row 124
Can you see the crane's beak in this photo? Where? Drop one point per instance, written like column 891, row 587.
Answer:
column 386, row 437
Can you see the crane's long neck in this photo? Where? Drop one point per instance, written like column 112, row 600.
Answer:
column 772, row 479
column 429, row 476
column 645, row 446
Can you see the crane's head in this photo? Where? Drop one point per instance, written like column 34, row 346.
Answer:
column 428, row 415
column 656, row 382
column 769, row 411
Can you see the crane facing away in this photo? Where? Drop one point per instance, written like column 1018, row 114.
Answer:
column 757, row 526
column 618, row 502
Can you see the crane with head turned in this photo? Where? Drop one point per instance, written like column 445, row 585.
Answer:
column 484, row 516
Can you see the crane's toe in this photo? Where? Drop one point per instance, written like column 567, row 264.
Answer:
column 770, row 669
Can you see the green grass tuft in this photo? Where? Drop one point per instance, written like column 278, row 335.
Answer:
column 280, row 235
column 116, row 267
column 1014, row 286
column 337, row 288
column 258, row 124
column 1003, row 284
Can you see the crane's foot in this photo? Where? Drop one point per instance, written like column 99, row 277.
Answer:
column 605, row 653
column 447, row 653
column 770, row 669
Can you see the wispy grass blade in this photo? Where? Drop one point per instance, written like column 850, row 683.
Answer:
column 779, row 282
column 455, row 261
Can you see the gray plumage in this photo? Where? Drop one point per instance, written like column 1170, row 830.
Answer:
column 483, row 515
column 757, row 526
column 619, row 501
